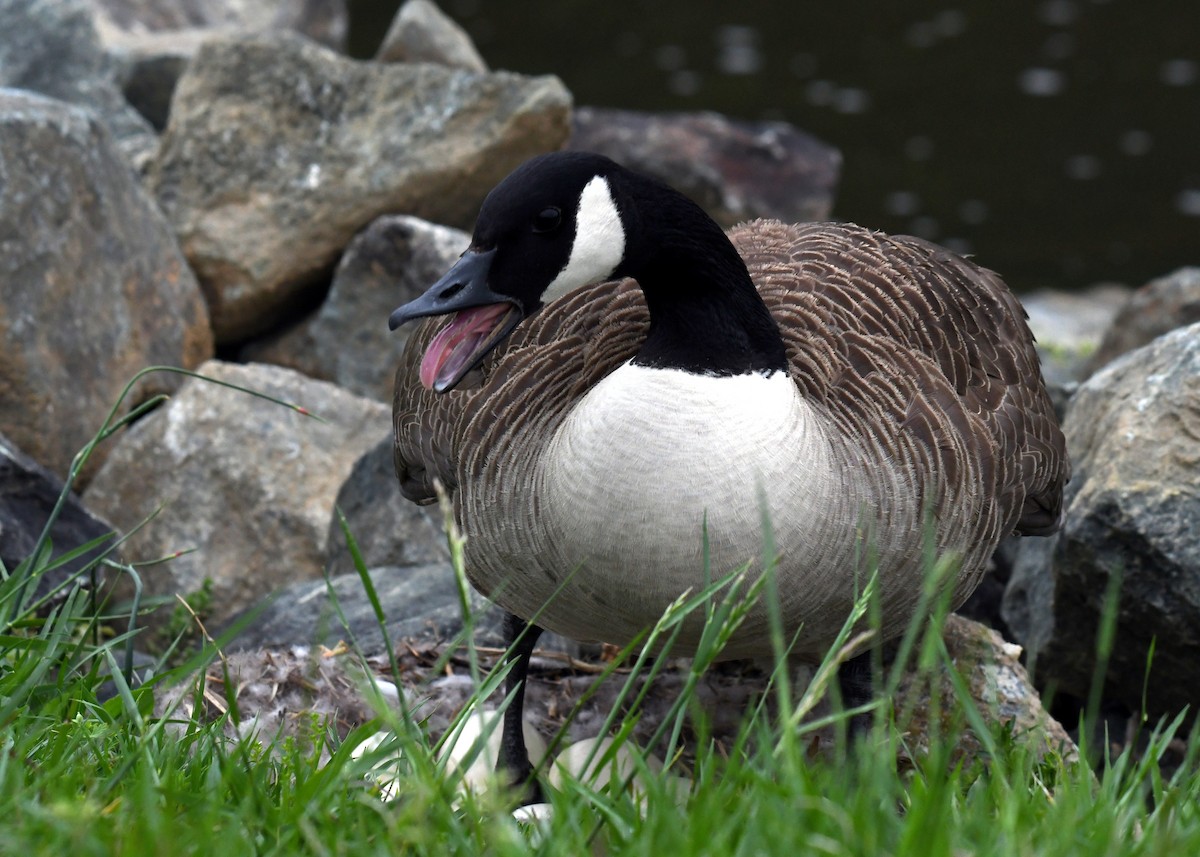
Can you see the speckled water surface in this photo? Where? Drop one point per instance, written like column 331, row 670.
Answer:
column 1053, row 139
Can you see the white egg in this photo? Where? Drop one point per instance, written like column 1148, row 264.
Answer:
column 482, row 768
column 573, row 763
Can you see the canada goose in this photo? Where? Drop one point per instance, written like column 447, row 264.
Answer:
column 869, row 389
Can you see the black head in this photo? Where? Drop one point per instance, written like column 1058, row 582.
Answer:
column 552, row 225
column 565, row 220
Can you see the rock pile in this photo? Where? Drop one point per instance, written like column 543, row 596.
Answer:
column 95, row 288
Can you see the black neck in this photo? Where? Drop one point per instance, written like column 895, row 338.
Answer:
column 706, row 316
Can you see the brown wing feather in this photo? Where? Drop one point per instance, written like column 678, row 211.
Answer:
column 908, row 348
column 897, row 334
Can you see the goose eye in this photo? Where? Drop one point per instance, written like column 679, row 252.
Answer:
column 547, row 219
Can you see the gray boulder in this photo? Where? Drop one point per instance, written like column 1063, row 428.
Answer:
column 1133, row 430
column 245, row 484
column 404, row 548
column 325, row 21
column 421, row 32
column 1156, row 308
column 152, row 41
column 347, row 340
column 51, row 47
column 1000, row 687
column 418, row 601
column 1068, row 327
column 278, row 151
column 93, row 287
column 736, row 170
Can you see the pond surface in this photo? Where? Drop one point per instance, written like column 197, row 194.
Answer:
column 1057, row 140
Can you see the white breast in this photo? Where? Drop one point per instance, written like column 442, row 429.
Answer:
column 648, row 462
column 652, row 452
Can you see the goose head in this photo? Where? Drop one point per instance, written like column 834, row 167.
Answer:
column 570, row 219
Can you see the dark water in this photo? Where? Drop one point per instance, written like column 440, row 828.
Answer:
column 1057, row 140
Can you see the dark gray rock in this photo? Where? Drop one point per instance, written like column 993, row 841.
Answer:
column 736, row 170
column 278, row 151
column 28, row 495
column 1156, row 308
column 347, row 340
column 93, row 287
column 51, row 47
column 1028, row 605
column 246, row 484
column 421, row 32
column 387, row 529
column 1133, row 431
column 419, row 602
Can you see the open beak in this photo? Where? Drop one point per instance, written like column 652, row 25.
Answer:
column 482, row 319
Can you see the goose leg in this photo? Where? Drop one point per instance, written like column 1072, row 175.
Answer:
column 856, row 686
column 519, row 637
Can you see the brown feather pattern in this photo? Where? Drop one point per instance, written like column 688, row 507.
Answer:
column 919, row 361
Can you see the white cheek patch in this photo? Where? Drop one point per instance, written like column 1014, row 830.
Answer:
column 599, row 243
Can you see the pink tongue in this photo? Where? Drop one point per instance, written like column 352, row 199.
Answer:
column 457, row 342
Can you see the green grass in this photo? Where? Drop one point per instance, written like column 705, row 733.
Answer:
column 81, row 776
